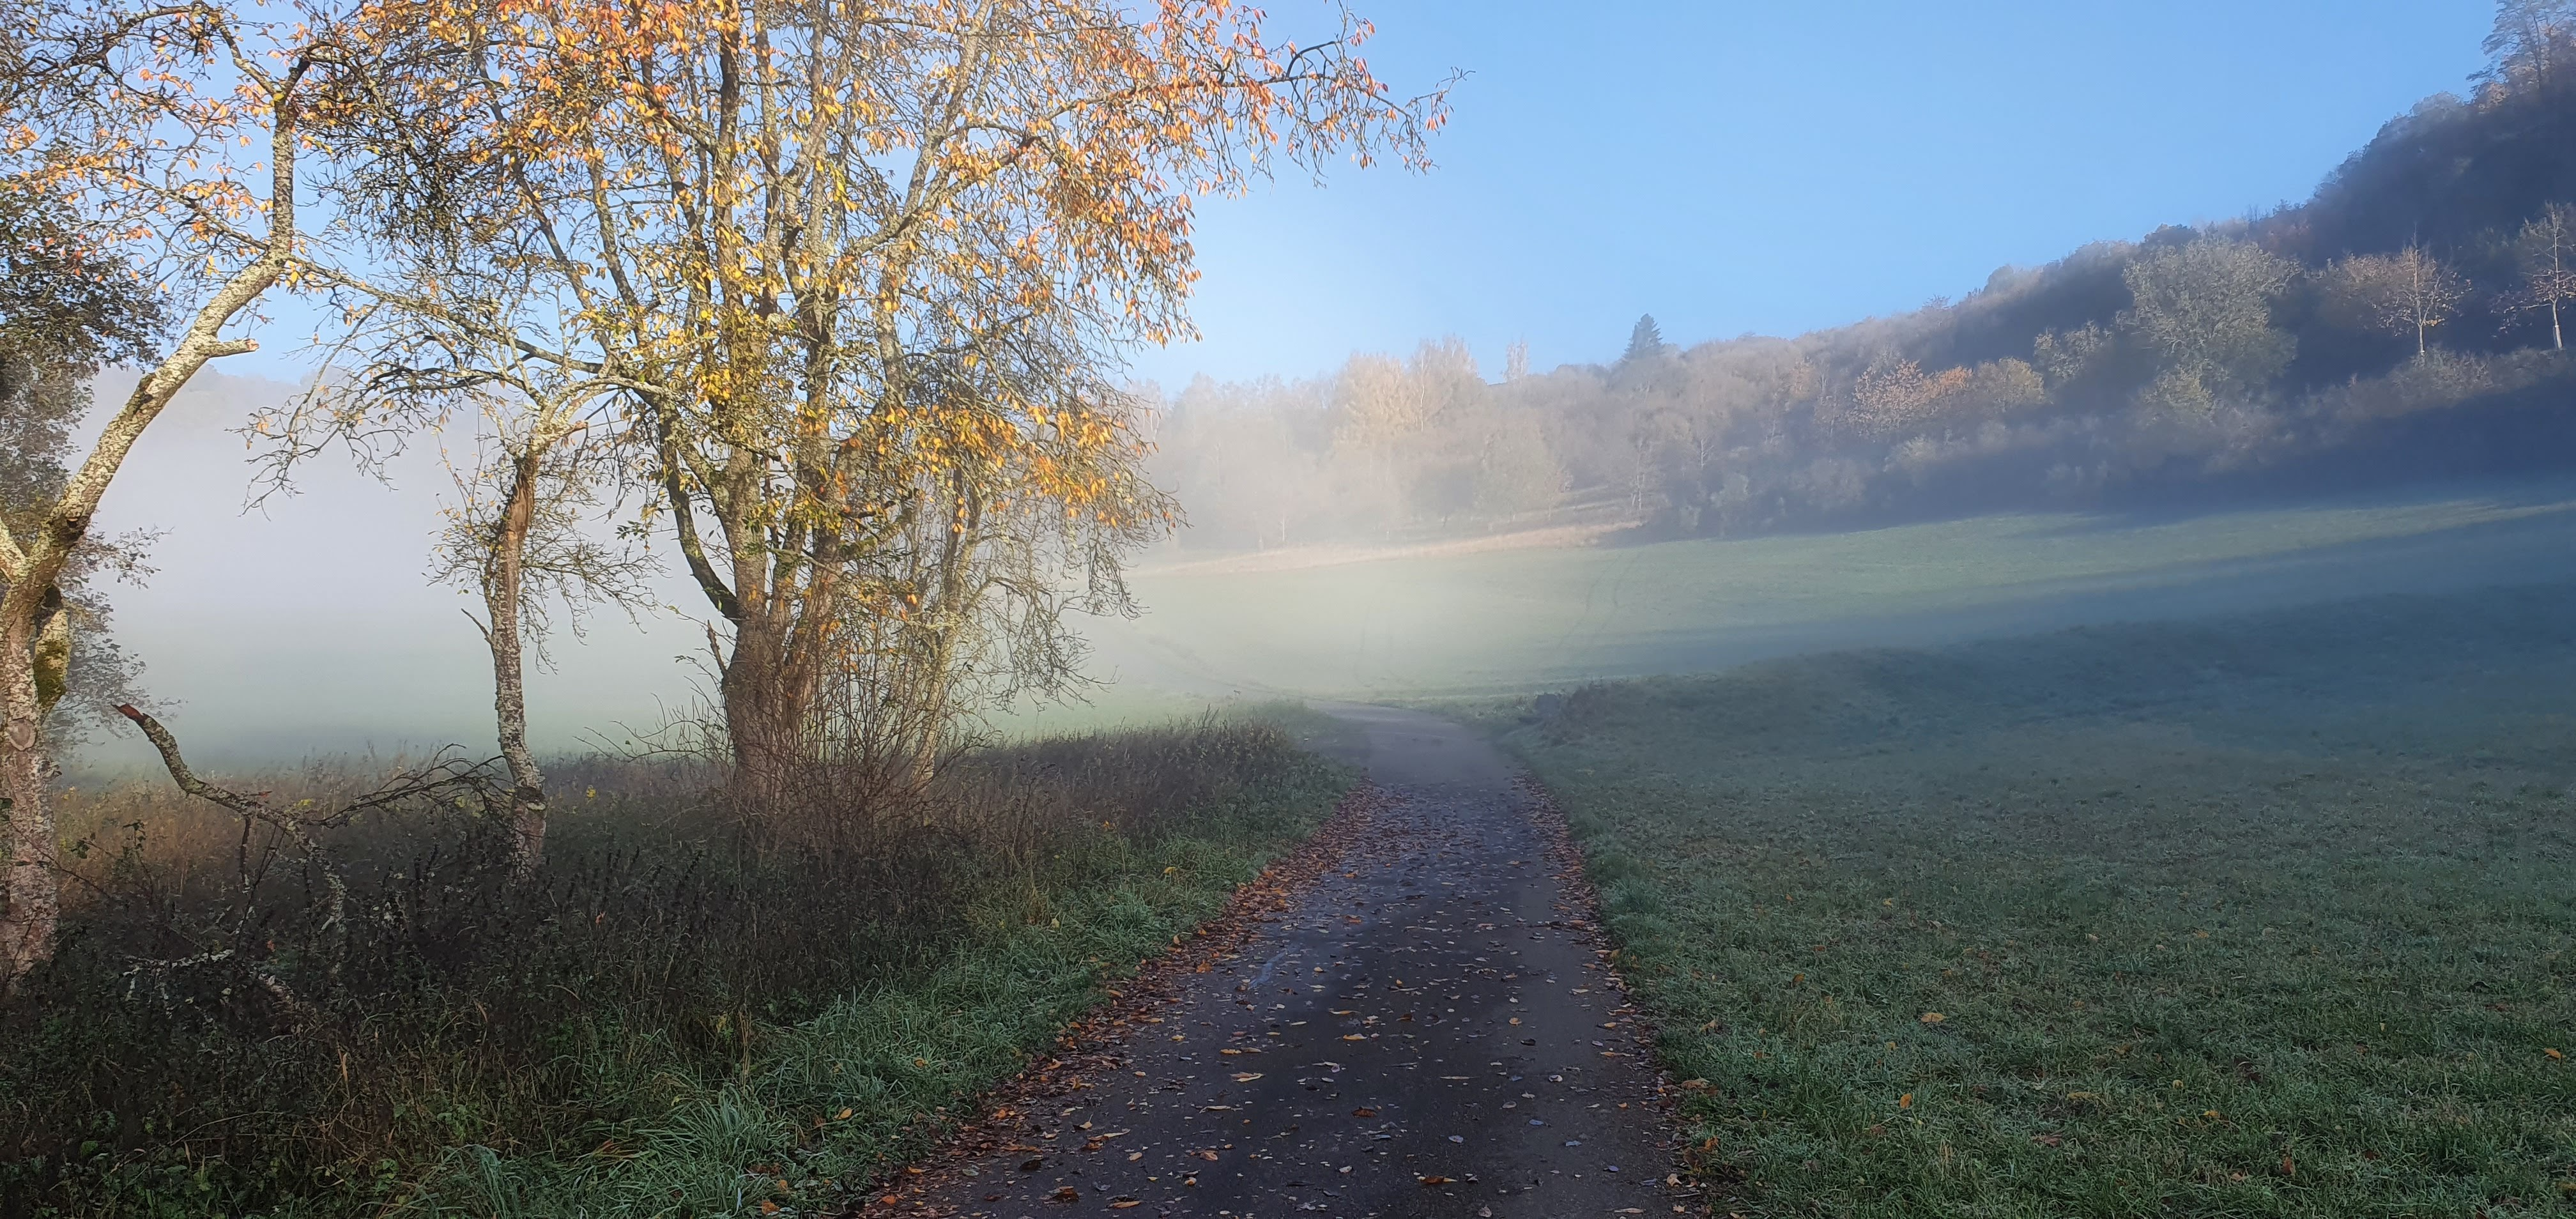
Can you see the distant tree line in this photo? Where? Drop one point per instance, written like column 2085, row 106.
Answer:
column 2409, row 320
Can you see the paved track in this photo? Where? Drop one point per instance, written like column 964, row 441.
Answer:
column 1430, row 1030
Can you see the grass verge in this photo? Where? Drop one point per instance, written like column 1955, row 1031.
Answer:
column 2264, row 916
column 667, row 1024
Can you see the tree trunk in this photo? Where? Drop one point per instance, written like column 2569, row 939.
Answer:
column 767, row 704
column 501, row 588
column 27, row 926
column 32, row 564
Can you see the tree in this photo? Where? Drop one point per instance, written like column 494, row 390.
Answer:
column 1645, row 341
column 1516, row 360
column 2205, row 307
column 2545, row 250
column 64, row 312
column 2065, row 360
column 2409, row 291
column 515, row 531
column 1894, row 394
column 2005, row 386
column 2532, row 46
column 515, row 537
column 115, row 125
column 793, row 236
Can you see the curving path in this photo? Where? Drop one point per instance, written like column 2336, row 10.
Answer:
column 1428, row 1030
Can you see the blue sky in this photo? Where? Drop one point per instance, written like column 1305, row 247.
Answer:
column 1777, row 167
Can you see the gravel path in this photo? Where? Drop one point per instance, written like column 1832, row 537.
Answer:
column 1428, row 1029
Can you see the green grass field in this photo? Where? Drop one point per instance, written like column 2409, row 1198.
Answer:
column 2262, row 915
column 1508, row 620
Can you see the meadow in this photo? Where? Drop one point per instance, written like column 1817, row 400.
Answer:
column 2264, row 915
column 1339, row 624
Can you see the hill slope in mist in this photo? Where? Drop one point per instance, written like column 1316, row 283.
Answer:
column 2400, row 325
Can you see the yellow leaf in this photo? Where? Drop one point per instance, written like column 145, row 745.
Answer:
column 1933, row 1017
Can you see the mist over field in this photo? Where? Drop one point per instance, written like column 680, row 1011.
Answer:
column 932, row 610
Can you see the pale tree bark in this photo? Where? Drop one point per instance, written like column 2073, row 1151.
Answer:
column 502, row 590
column 529, row 547
column 33, row 564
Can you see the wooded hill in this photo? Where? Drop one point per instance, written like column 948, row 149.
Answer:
column 2404, row 323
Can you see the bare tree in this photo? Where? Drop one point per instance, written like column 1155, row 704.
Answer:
column 2409, row 291
column 520, row 535
column 2545, row 250
column 519, row 531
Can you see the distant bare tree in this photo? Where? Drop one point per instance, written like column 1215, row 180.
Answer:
column 2545, row 249
column 2408, row 291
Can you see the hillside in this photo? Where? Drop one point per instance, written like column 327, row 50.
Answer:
column 2401, row 325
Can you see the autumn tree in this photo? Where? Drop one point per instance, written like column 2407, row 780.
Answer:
column 1893, row 394
column 2205, row 308
column 1403, row 430
column 2545, row 251
column 981, row 580
column 788, row 233
column 2409, row 292
column 168, row 138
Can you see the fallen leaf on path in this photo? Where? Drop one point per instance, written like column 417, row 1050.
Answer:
column 1245, row 1077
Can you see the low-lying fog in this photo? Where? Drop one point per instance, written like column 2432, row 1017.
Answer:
column 307, row 626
